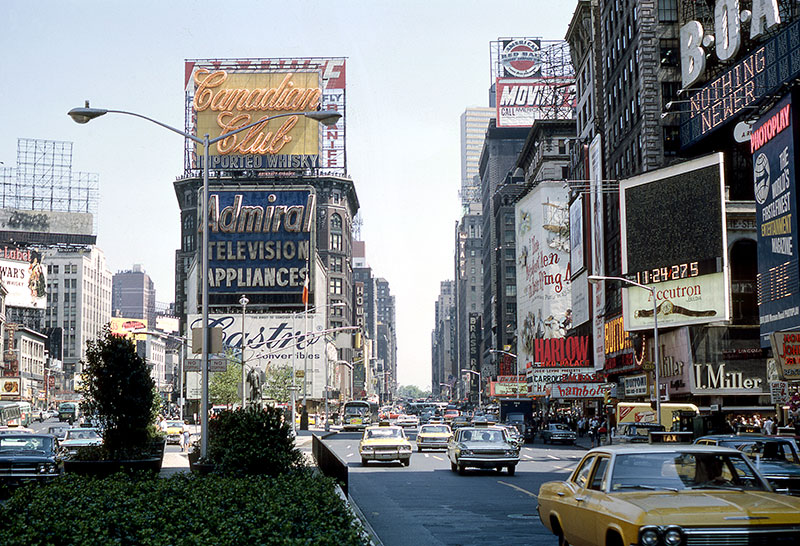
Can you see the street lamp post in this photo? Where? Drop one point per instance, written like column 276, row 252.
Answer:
column 86, row 114
column 480, row 385
column 652, row 290
column 243, row 301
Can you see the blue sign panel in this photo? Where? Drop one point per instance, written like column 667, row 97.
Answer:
column 761, row 73
column 259, row 240
column 772, row 145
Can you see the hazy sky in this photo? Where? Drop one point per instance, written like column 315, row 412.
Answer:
column 412, row 68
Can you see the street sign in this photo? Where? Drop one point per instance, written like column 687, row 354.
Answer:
column 217, row 364
column 300, row 373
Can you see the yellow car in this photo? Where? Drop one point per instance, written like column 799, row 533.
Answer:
column 385, row 443
column 433, row 436
column 667, row 495
column 173, row 430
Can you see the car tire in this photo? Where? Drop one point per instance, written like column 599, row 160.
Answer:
column 561, row 540
column 544, row 439
column 406, row 462
column 512, row 469
column 453, row 467
column 363, row 461
column 419, row 448
column 462, row 469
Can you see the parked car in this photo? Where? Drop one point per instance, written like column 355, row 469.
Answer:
column 558, row 432
column 433, row 436
column 775, row 457
column 79, row 437
column 482, row 447
column 513, row 435
column 26, row 457
column 635, row 433
column 385, row 443
column 667, row 494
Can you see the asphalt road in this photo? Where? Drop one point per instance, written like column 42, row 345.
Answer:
column 428, row 504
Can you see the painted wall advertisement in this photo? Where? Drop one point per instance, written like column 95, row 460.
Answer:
column 260, row 239
column 508, row 385
column 23, row 276
column 276, row 340
column 690, row 280
column 223, row 95
column 634, row 385
column 543, row 273
column 772, row 145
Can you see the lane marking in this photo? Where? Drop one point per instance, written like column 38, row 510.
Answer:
column 521, row 490
column 553, row 457
column 437, row 458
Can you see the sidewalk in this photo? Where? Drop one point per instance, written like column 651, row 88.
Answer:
column 175, row 462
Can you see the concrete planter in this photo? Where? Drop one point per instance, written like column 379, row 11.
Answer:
column 102, row 469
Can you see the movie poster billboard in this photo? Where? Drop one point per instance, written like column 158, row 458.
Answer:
column 689, row 280
column 260, row 239
column 543, row 271
column 226, row 94
column 772, row 145
column 24, row 277
column 276, row 340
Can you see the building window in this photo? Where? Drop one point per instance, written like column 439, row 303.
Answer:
column 672, row 140
column 511, row 290
column 669, row 91
column 336, row 264
column 667, row 11
column 336, row 232
column 669, row 51
column 336, row 286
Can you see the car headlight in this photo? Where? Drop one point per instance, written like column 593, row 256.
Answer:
column 367, row 448
column 466, row 452
column 673, row 536
column 47, row 468
column 405, row 448
column 648, row 536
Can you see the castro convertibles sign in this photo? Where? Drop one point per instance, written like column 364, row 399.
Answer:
column 260, row 239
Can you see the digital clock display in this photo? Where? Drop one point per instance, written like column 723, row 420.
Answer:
column 685, row 270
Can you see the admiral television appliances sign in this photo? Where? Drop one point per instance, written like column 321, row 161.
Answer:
column 260, row 239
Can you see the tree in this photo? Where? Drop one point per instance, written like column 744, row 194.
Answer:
column 119, row 392
column 279, row 379
column 412, row 391
column 223, row 387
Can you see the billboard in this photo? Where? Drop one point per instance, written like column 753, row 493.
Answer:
column 222, row 95
column 276, row 340
column 690, row 279
column 786, row 348
column 778, row 287
column 543, row 271
column 597, row 244
column 121, row 326
column 260, row 239
column 24, row 277
column 533, row 79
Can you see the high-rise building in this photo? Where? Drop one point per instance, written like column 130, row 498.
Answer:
column 386, row 338
column 79, row 299
column 444, row 375
column 468, row 293
column 500, row 186
column 474, row 122
column 133, row 295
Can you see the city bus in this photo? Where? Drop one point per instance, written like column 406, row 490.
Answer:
column 26, row 413
column 10, row 415
column 359, row 414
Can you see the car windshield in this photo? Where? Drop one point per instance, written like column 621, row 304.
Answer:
column 559, row 427
column 491, row 436
column 683, row 470
column 82, row 435
column 384, row 433
column 25, row 443
column 174, row 424
column 355, row 410
column 771, row 450
column 434, row 430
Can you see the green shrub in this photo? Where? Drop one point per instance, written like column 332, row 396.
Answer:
column 119, row 391
column 182, row 510
column 252, row 441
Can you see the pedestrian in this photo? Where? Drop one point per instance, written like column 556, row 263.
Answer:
column 768, row 425
column 181, row 441
column 185, row 440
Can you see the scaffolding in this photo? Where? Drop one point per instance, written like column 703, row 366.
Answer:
column 43, row 180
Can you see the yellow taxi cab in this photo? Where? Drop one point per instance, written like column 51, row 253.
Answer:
column 433, row 436
column 667, row 495
column 385, row 443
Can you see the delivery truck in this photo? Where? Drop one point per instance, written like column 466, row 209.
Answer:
column 643, row 412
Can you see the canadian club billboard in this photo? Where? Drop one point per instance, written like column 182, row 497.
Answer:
column 772, row 145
